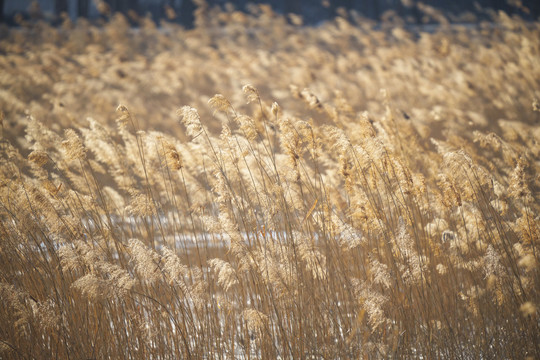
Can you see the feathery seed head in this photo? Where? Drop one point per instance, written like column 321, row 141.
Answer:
column 275, row 109
column 191, row 119
column 536, row 105
column 124, row 116
column 227, row 277
column 519, row 188
column 174, row 268
column 441, row 269
column 311, row 99
column 251, row 93
column 527, row 261
column 528, row 309
column 174, row 161
column 256, row 320
column 145, row 259
column 73, row 146
column 220, row 103
column 141, row 205
column 38, row 157
column 492, row 261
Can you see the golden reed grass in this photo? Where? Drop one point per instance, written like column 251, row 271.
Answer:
column 308, row 215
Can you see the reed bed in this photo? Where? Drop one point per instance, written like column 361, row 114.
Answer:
column 353, row 191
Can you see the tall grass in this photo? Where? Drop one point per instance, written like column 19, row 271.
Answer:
column 340, row 221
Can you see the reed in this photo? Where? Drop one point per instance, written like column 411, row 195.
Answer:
column 308, row 214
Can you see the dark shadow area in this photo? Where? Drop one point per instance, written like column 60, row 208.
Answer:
column 312, row 12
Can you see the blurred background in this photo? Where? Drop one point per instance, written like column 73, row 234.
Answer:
column 311, row 11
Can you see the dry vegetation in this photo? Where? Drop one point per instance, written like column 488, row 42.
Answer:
column 346, row 222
